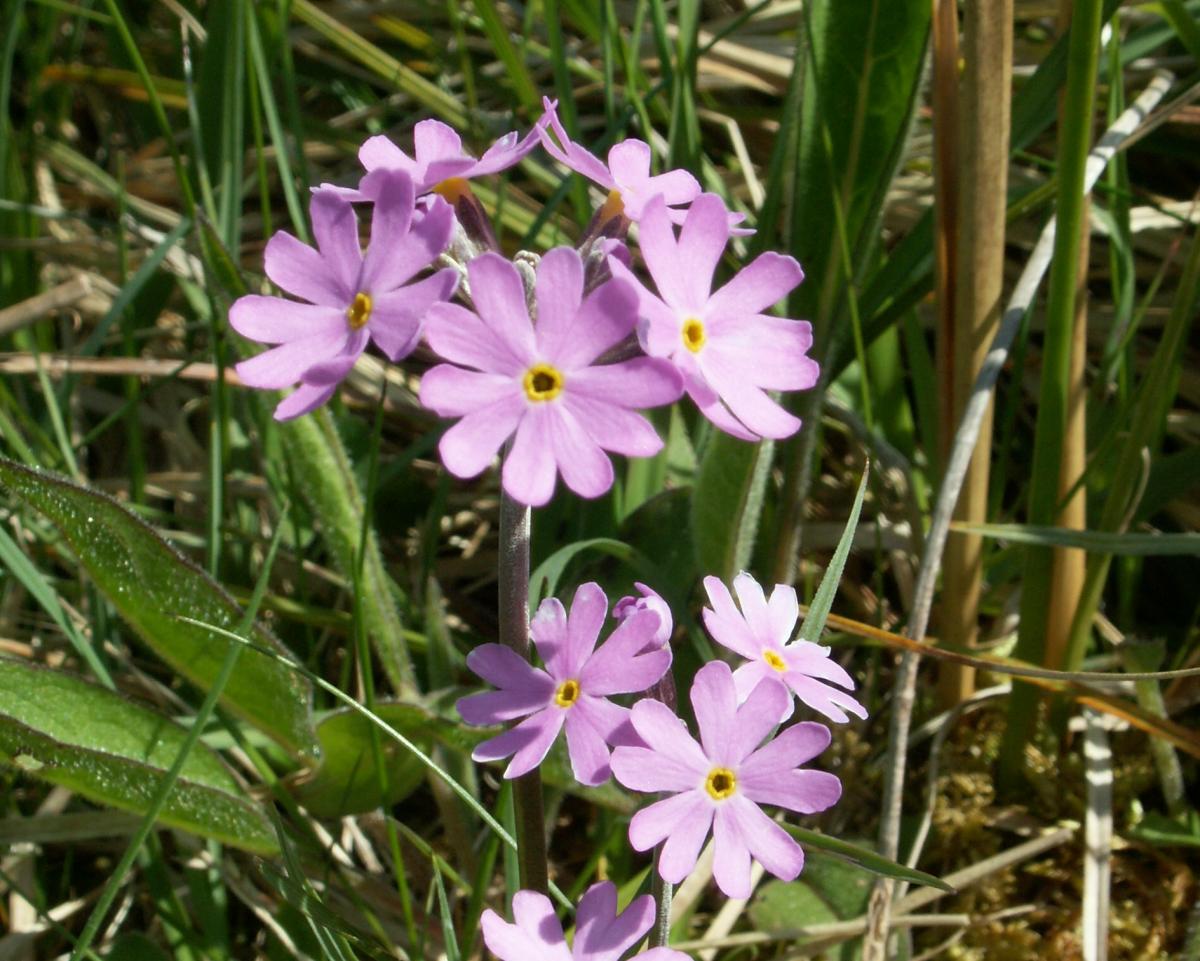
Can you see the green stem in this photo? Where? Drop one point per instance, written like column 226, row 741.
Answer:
column 514, row 632
column 1073, row 146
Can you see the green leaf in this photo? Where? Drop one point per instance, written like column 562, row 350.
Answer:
column 348, row 782
column 543, row 582
column 727, row 503
column 152, row 586
column 818, row 611
column 866, row 859
column 1161, row 830
column 64, row 730
column 1131, row 545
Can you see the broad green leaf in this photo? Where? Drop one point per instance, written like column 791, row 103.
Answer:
column 1131, row 544
column 818, row 611
column 866, row 859
column 347, row 781
column 64, row 730
column 727, row 503
column 153, row 587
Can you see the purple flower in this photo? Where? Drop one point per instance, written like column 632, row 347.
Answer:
column 438, row 158
column 649, row 601
column 760, row 633
column 540, row 382
column 600, row 933
column 720, row 782
column 573, row 690
column 626, row 176
column 729, row 352
column 352, row 298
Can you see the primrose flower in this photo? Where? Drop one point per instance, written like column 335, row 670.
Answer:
column 649, row 601
column 600, row 933
column 760, row 633
column 719, row 783
column 439, row 161
column 572, row 691
column 626, row 176
column 540, row 382
column 352, row 298
column 729, row 352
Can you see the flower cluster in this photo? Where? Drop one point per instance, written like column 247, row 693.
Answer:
column 551, row 363
column 716, row 784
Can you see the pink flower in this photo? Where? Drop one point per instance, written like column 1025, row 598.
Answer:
column 352, row 298
column 438, row 158
column 540, row 382
column 626, row 176
column 600, row 933
column 573, row 690
column 649, row 601
column 760, row 633
column 720, row 782
column 728, row 351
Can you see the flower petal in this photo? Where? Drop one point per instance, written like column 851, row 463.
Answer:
column 396, row 253
column 273, row 320
column 656, row 237
column 302, row 400
column 434, row 140
column 548, row 628
column 629, row 162
column 763, row 282
column 649, row 771
column 499, row 296
column 613, row 428
column 471, row 445
column 725, row 622
column 814, row 661
column 584, row 467
column 336, row 230
column 748, row 403
column 825, row 700
column 326, row 373
column 298, row 268
column 462, row 337
column 715, row 705
column 606, row 317
column 379, row 151
column 675, row 187
column 505, row 152
column 769, row 844
column 284, row 365
column 663, row 732
column 683, row 820
column 496, row 707
column 559, row 293
column 617, row 667
column 586, row 747
column 792, row 747
column 534, row 914
column 771, row 352
column 603, row 935
column 731, row 855
column 753, row 603
column 529, row 469
column 639, row 382
column 567, row 152
column 589, row 608
column 397, row 317
column 503, row 667
column 783, row 610
column 528, row 742
column 701, row 243
column 759, row 715
column 450, row 391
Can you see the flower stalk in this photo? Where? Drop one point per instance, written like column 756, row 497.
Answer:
column 514, row 633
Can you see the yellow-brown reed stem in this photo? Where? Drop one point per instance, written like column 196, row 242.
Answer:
column 983, row 183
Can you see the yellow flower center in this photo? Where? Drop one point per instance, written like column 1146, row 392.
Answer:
column 543, row 382
column 453, row 188
column 775, row 661
column 693, row 334
column 614, row 206
column 359, row 311
column 567, row 693
column 720, row 783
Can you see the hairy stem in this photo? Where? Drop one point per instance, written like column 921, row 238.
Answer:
column 514, row 632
